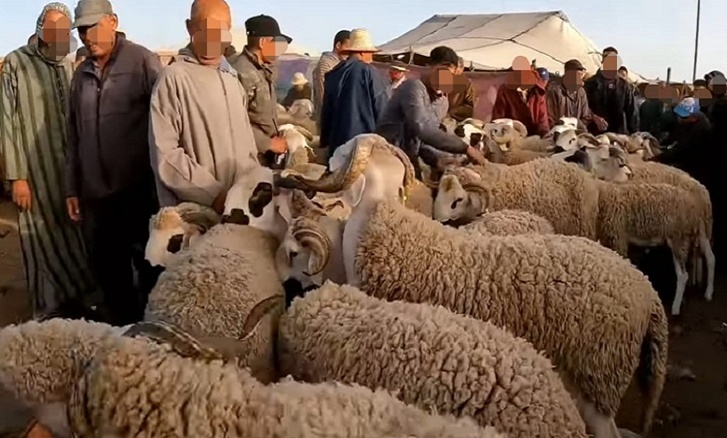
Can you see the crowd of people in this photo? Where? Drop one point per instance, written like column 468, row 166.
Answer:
column 93, row 149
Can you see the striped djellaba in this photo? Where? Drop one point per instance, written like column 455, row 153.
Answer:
column 33, row 141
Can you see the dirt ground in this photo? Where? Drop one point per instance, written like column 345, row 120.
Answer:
column 694, row 404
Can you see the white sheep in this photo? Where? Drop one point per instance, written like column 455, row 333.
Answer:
column 509, row 223
column 429, row 357
column 394, row 253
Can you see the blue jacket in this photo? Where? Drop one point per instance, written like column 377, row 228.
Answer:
column 354, row 99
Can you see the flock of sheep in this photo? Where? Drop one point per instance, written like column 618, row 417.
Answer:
column 484, row 301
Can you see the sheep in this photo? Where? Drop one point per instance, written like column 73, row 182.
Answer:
column 509, row 223
column 172, row 229
column 135, row 387
column 214, row 285
column 298, row 140
column 38, row 362
column 298, row 114
column 512, row 136
column 559, row 192
column 428, row 357
column 393, row 253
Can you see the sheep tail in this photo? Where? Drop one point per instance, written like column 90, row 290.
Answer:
column 651, row 372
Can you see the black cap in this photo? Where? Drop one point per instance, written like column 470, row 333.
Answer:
column 264, row 26
column 573, row 64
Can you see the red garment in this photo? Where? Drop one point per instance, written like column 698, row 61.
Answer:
column 509, row 104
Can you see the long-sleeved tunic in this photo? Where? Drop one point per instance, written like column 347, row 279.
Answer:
column 33, row 140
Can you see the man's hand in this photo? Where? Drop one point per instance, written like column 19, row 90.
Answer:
column 218, row 204
column 600, row 123
column 278, row 145
column 21, row 194
column 74, row 211
column 476, row 156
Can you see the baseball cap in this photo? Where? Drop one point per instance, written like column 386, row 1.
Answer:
column 687, row 107
column 543, row 73
column 89, row 12
column 264, row 26
column 573, row 64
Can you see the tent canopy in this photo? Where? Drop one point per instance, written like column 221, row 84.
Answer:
column 491, row 41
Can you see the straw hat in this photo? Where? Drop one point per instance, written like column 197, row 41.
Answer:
column 298, row 79
column 361, row 42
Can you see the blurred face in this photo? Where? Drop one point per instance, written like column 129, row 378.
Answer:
column 395, row 75
column 572, row 79
column 209, row 30
column 522, row 75
column 441, row 81
column 610, row 65
column 459, row 70
column 100, row 39
column 271, row 48
column 56, row 33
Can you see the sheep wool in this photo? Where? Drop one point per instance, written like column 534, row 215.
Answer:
column 420, row 199
column 212, row 288
column 509, row 223
column 594, row 314
column 428, row 357
column 137, row 388
column 559, row 192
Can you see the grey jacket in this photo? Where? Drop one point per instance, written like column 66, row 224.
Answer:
column 108, row 123
column 200, row 132
column 259, row 83
column 412, row 118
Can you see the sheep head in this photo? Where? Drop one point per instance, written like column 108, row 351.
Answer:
column 460, row 196
column 175, row 228
column 301, row 108
column 350, row 166
column 305, row 251
column 566, row 140
column 615, row 168
column 250, row 201
column 503, row 134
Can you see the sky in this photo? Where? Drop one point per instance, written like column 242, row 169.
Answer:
column 650, row 35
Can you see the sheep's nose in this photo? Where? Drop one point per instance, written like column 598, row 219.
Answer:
column 237, row 217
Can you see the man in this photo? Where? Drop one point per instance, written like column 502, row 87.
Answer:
column 35, row 82
column 397, row 76
column 569, row 98
column 463, row 98
column 109, row 182
column 255, row 65
column 412, row 116
column 355, row 94
column 611, row 96
column 623, row 73
column 200, row 132
column 299, row 89
column 522, row 98
column 326, row 62
column 81, row 55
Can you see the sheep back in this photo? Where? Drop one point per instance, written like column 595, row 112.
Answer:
column 137, row 388
column 39, row 360
column 428, row 357
column 566, row 295
column 212, row 288
column 509, row 223
column 559, row 192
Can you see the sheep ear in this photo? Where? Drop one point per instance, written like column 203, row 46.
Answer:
column 520, row 127
column 354, row 193
column 283, row 201
column 254, row 318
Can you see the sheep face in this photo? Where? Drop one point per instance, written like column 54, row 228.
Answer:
column 303, row 253
column 566, row 140
column 502, row 134
column 168, row 234
column 301, row 108
column 452, row 201
column 615, row 168
column 250, row 200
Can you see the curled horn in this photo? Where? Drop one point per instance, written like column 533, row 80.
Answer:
column 309, row 234
column 303, row 206
column 409, row 175
column 257, row 313
column 306, row 133
column 520, row 127
column 590, row 138
column 336, row 181
column 483, row 192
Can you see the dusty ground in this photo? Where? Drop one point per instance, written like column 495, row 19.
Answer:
column 694, row 406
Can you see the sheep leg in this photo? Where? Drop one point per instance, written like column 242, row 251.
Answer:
column 709, row 258
column 598, row 424
column 682, row 277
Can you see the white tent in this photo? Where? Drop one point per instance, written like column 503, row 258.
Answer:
column 491, row 41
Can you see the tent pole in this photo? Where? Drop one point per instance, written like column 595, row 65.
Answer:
column 668, row 75
column 696, row 42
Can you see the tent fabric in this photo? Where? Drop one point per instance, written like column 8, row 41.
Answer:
column 491, row 41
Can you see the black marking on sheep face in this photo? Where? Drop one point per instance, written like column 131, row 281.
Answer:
column 459, row 131
column 558, row 149
column 175, row 243
column 262, row 195
column 579, row 157
column 475, row 139
column 556, row 134
column 237, row 217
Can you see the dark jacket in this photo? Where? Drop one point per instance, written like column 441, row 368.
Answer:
column 294, row 93
column 353, row 100
column 651, row 116
column 463, row 100
column 411, row 119
column 692, row 143
column 259, row 82
column 613, row 100
column 108, row 123
column 509, row 104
